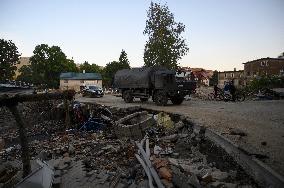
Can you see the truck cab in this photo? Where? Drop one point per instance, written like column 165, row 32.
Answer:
column 164, row 80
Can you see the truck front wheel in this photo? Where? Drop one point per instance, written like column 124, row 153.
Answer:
column 127, row 96
column 177, row 100
column 161, row 98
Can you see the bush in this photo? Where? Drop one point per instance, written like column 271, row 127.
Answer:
column 265, row 82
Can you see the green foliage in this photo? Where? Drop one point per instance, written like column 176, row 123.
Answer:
column 165, row 45
column 70, row 66
column 110, row 70
column 281, row 55
column 90, row 67
column 214, row 79
column 25, row 74
column 9, row 57
column 112, row 67
column 123, row 58
column 265, row 82
column 47, row 63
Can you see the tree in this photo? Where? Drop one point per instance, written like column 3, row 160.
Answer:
column 110, row 70
column 9, row 57
column 165, row 45
column 123, row 58
column 281, row 55
column 47, row 63
column 214, row 79
column 114, row 66
column 264, row 82
column 89, row 67
column 70, row 66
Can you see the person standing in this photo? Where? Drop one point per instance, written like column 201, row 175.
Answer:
column 233, row 90
column 226, row 87
column 215, row 90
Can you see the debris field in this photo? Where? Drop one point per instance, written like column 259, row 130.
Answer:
column 115, row 147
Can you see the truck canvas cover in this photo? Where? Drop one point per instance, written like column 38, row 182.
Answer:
column 133, row 78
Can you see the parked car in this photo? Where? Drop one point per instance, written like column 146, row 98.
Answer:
column 92, row 91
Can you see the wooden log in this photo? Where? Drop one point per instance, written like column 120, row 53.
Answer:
column 23, row 139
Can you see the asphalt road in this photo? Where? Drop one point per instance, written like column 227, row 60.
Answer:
column 262, row 121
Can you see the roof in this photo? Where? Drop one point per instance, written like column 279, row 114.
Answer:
column 80, row 76
column 231, row 71
column 267, row 58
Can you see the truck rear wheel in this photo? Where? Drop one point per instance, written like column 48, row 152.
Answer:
column 161, row 98
column 127, row 96
column 177, row 100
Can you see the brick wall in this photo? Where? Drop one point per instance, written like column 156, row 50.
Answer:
column 265, row 66
column 237, row 76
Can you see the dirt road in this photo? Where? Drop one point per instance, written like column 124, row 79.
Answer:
column 262, row 121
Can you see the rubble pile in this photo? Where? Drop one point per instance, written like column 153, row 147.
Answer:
column 6, row 119
column 104, row 147
column 183, row 160
column 202, row 92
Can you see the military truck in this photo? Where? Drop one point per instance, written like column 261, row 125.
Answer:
column 157, row 83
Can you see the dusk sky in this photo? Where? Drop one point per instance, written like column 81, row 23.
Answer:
column 221, row 34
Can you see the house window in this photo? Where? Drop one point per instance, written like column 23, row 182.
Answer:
column 232, row 75
column 225, row 75
column 264, row 63
column 82, row 81
column 66, row 81
column 97, row 81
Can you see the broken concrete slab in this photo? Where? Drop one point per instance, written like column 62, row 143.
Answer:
column 134, row 125
column 179, row 125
